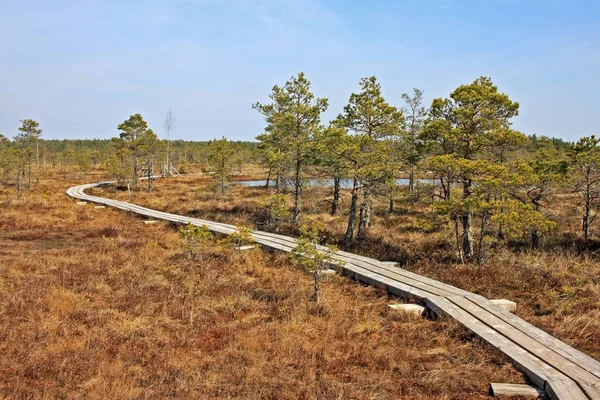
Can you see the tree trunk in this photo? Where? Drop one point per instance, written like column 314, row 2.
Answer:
column 466, row 221
column 446, row 189
column 317, row 285
column 134, row 178
column 458, row 244
column 500, row 234
column 481, row 235
column 467, row 236
column 19, row 184
column 336, row 196
column 535, row 239
column 411, row 179
column 268, row 179
column 364, row 220
column 361, row 218
column 278, row 181
column 368, row 208
column 391, row 208
column 168, row 151
column 150, row 167
column 352, row 216
column 222, row 181
column 29, row 172
column 587, row 213
column 297, row 188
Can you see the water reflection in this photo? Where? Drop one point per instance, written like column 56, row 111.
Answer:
column 344, row 183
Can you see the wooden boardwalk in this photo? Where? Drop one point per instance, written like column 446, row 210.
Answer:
column 562, row 371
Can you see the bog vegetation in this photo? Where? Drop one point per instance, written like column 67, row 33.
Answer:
column 486, row 181
column 447, row 189
column 95, row 304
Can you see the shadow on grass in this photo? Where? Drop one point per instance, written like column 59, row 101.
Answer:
column 381, row 249
column 566, row 243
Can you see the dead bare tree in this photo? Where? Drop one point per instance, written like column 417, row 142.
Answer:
column 169, row 125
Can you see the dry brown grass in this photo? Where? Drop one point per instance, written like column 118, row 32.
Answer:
column 94, row 304
column 557, row 288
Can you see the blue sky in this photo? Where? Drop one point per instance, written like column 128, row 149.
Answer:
column 82, row 67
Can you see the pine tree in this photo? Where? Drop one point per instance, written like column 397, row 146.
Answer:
column 412, row 145
column 465, row 125
column 369, row 117
column 585, row 159
column 28, row 141
column 292, row 118
column 133, row 131
column 221, row 159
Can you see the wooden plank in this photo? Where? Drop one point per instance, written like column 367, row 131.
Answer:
column 508, row 305
column 349, row 257
column 365, row 266
column 541, row 374
column 558, row 362
column 512, row 390
column 400, row 278
column 273, row 246
column 408, row 274
column 373, row 267
column 537, row 371
column 398, row 288
column 553, row 343
column 565, row 390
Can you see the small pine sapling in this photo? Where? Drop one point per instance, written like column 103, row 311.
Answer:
column 194, row 237
column 240, row 238
column 312, row 257
column 273, row 211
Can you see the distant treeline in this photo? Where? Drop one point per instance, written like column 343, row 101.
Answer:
column 83, row 154
column 191, row 151
column 537, row 142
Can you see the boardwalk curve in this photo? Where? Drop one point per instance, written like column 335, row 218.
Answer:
column 562, row 371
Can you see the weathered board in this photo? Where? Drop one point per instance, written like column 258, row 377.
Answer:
column 513, row 390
